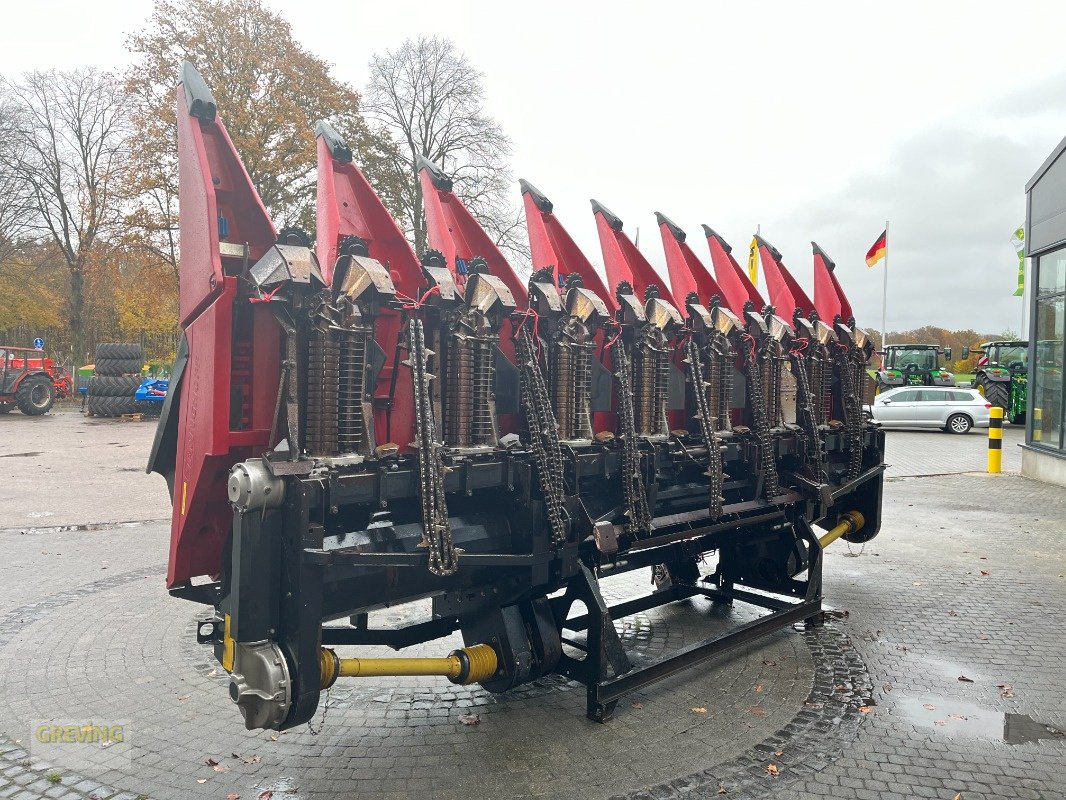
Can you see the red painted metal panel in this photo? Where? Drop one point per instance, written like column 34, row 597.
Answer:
column 452, row 229
column 687, row 272
column 785, row 293
column 829, row 298
column 216, row 194
column 737, row 288
column 551, row 245
column 348, row 206
column 621, row 258
column 230, row 381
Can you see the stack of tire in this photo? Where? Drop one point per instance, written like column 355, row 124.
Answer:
column 116, row 378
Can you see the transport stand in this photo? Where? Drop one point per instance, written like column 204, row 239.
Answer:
column 606, row 670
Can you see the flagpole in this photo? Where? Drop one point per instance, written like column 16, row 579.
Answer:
column 884, row 296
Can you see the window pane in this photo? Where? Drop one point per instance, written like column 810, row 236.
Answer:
column 1053, row 272
column 1047, row 372
column 905, row 397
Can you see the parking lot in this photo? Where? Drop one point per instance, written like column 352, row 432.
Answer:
column 939, row 674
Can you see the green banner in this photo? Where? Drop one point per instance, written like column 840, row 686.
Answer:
column 1018, row 240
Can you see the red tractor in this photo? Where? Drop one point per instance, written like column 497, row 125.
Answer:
column 30, row 381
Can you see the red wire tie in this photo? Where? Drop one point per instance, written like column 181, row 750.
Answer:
column 267, row 297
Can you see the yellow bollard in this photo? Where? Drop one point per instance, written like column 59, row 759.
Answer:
column 1038, row 423
column 995, row 439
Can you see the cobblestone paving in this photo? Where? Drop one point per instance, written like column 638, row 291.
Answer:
column 99, row 640
column 913, row 453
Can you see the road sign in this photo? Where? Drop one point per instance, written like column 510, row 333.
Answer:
column 38, row 343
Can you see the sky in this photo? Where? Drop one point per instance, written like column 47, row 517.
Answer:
column 815, row 121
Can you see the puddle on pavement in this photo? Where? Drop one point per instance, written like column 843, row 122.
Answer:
column 281, row 787
column 955, row 718
column 21, row 455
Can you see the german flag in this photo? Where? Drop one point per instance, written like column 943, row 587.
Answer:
column 877, row 252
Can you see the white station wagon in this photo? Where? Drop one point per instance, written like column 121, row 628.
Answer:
column 952, row 410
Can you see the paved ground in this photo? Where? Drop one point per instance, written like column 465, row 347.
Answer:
column 870, row 706
column 912, row 453
column 67, row 469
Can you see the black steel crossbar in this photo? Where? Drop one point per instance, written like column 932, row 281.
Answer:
column 611, row 689
column 395, row 638
column 359, row 558
column 636, row 605
column 850, row 486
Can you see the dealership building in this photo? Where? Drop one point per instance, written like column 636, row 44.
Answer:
column 1044, row 454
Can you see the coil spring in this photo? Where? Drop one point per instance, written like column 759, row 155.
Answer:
column 468, row 410
column 571, row 378
column 651, row 374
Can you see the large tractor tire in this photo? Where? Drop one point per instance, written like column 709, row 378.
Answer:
column 113, row 386
column 6, row 407
column 35, row 395
column 118, row 366
column 112, row 406
column 998, row 394
column 149, row 408
column 121, row 351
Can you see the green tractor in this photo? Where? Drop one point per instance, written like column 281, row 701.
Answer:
column 1003, row 376
column 913, row 365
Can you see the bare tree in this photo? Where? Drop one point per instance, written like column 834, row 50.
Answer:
column 16, row 203
column 430, row 100
column 68, row 152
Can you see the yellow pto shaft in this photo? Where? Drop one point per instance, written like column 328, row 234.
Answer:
column 469, row 665
column 850, row 522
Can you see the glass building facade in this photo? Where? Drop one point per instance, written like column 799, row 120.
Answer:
column 1045, row 227
column 1046, row 350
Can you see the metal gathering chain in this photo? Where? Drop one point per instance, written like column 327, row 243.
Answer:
column 351, row 419
column 543, row 434
column 762, row 426
column 322, row 393
column 436, row 528
column 719, row 356
column 806, row 403
column 706, row 423
column 724, row 358
column 818, row 376
column 852, row 411
column 636, row 500
column 772, row 364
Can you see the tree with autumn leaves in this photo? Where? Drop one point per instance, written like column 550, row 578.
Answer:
column 88, row 161
column 270, row 92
